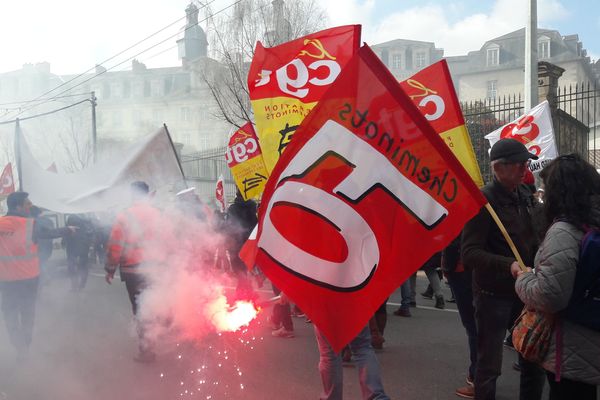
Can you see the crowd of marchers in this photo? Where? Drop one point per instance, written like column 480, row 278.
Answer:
column 544, row 303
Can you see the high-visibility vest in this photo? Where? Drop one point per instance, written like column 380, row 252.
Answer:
column 18, row 253
column 136, row 237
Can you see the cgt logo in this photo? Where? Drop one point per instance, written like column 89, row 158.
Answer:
column 241, row 151
column 431, row 104
column 318, row 73
column 370, row 170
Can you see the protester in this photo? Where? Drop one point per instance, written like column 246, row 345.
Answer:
column 408, row 293
column 460, row 281
column 135, row 247
column 19, row 268
column 367, row 366
column 377, row 325
column 77, row 247
column 435, row 283
column 241, row 220
column 488, row 255
column 281, row 318
column 45, row 246
column 572, row 206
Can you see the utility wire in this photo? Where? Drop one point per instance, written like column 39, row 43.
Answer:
column 44, row 99
column 111, row 58
column 46, row 113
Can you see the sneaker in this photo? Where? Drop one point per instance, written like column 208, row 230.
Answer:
column 283, row 333
column 467, row 392
column 145, row 357
column 439, row 302
column 403, row 312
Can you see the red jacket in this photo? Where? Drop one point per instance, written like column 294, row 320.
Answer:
column 136, row 238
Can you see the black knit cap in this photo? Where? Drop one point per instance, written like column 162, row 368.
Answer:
column 510, row 150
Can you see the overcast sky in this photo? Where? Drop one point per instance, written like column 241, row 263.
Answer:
column 74, row 35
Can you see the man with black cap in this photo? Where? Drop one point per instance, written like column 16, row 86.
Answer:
column 488, row 255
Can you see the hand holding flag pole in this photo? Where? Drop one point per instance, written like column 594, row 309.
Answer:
column 488, row 206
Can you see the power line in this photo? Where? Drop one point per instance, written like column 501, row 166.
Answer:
column 44, row 99
column 46, row 113
column 113, row 57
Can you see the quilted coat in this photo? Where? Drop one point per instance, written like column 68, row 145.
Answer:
column 549, row 289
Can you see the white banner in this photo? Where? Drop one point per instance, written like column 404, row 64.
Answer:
column 535, row 131
column 105, row 185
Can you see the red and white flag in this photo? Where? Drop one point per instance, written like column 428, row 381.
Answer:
column 363, row 195
column 220, row 193
column 7, row 183
column 249, row 250
column 535, row 131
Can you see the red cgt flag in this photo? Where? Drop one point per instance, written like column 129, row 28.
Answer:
column 220, row 193
column 365, row 193
column 7, row 183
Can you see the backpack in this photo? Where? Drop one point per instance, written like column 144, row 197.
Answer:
column 584, row 305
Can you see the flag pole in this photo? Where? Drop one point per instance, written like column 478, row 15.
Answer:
column 531, row 57
column 488, row 206
column 176, row 155
column 18, row 152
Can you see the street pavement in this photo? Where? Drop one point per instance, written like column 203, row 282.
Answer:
column 84, row 343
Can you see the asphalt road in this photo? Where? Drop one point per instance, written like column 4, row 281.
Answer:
column 84, row 344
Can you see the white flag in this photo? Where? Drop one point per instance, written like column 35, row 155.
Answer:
column 104, row 185
column 535, row 131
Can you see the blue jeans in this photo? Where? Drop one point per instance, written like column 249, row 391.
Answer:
column 494, row 315
column 462, row 288
column 405, row 294
column 330, row 367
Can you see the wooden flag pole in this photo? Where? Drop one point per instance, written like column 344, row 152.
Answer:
column 488, row 206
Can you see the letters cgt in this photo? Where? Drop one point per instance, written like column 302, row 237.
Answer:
column 363, row 195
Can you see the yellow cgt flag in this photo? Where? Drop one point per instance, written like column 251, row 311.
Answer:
column 286, row 82
column 244, row 159
column 432, row 91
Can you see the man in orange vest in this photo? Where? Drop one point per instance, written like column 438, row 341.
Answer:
column 136, row 246
column 19, row 268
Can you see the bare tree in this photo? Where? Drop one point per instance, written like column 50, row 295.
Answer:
column 233, row 39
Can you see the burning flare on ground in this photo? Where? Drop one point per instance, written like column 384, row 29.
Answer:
column 228, row 318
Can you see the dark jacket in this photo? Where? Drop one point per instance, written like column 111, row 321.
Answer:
column 484, row 249
column 241, row 220
column 451, row 255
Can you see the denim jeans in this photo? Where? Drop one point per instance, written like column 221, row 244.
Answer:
column 462, row 287
column 405, row 294
column 494, row 315
column 330, row 367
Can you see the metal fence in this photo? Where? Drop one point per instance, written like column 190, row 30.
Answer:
column 203, row 169
column 575, row 115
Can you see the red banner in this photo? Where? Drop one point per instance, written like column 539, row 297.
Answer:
column 7, row 183
column 220, row 194
column 365, row 193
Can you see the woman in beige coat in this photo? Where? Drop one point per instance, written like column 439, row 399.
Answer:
column 572, row 189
